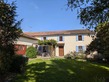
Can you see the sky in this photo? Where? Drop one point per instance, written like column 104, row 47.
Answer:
column 46, row 15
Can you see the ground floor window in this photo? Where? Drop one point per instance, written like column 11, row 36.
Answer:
column 80, row 48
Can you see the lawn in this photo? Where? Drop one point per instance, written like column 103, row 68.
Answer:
column 62, row 70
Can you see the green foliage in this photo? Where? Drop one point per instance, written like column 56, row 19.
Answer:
column 51, row 43
column 40, row 42
column 100, row 26
column 91, row 12
column 31, row 52
column 63, row 70
column 75, row 55
column 80, row 55
column 101, row 43
column 9, row 27
column 18, row 63
column 9, row 32
column 6, row 54
column 71, row 55
column 47, row 42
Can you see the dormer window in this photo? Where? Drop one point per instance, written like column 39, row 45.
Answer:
column 60, row 38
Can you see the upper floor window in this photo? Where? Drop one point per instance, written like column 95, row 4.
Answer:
column 79, row 37
column 44, row 38
column 60, row 38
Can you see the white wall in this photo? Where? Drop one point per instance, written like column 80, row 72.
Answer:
column 70, row 42
column 26, row 41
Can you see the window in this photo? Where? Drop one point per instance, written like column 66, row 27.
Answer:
column 80, row 48
column 20, row 47
column 39, row 48
column 60, row 38
column 44, row 38
column 80, row 37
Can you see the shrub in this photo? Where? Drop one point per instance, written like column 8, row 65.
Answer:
column 94, row 57
column 80, row 55
column 75, row 55
column 70, row 55
column 31, row 52
column 18, row 64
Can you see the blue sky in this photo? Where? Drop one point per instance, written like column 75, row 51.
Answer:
column 46, row 15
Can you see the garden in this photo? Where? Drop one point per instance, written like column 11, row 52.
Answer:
column 63, row 70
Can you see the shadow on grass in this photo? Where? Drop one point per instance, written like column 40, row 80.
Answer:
column 64, row 71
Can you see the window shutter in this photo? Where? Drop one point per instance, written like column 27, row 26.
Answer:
column 58, row 38
column 82, row 37
column 63, row 38
column 76, row 48
column 76, row 37
column 84, row 48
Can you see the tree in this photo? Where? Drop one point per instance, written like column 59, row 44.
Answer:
column 101, row 42
column 95, row 14
column 91, row 12
column 9, row 32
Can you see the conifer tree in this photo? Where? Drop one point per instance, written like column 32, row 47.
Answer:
column 9, row 32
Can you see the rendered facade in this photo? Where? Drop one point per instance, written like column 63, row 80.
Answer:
column 68, row 41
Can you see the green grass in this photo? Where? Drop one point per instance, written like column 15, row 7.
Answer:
column 62, row 70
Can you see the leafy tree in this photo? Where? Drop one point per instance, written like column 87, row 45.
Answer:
column 101, row 42
column 9, row 32
column 94, row 14
column 91, row 12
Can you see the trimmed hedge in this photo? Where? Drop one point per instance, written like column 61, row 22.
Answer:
column 31, row 52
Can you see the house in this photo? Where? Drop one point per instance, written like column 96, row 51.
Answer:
column 24, row 42
column 68, row 40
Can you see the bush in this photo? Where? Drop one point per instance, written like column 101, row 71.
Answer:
column 18, row 64
column 80, row 55
column 94, row 57
column 75, row 55
column 31, row 52
column 70, row 55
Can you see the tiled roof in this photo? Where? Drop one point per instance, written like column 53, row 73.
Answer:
column 65, row 32
column 28, row 36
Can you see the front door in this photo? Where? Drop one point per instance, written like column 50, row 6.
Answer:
column 61, row 50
